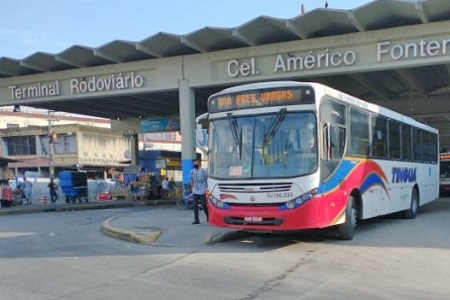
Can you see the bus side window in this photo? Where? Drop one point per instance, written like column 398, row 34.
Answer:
column 380, row 145
column 359, row 132
column 417, row 144
column 333, row 148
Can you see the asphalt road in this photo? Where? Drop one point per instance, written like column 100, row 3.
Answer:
column 64, row 255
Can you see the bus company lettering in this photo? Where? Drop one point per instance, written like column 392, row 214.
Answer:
column 402, row 175
column 352, row 100
column 112, row 82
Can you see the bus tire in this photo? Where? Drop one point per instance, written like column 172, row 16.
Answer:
column 348, row 228
column 411, row 212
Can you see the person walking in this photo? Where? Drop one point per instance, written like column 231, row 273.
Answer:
column 171, row 187
column 53, row 195
column 27, row 189
column 165, row 188
column 198, row 178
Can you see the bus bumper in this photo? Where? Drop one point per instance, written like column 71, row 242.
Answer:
column 307, row 216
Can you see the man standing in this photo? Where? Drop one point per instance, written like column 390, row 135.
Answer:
column 27, row 188
column 198, row 177
column 53, row 195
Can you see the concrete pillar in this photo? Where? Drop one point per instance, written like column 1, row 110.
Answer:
column 187, row 123
column 134, row 140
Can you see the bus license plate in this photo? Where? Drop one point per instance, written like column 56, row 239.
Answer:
column 253, row 219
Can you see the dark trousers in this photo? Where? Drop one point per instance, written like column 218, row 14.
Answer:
column 202, row 199
column 53, row 196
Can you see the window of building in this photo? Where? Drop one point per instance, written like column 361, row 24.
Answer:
column 21, row 145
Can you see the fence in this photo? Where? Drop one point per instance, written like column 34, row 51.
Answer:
column 40, row 188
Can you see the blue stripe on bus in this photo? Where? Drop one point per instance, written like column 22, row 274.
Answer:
column 341, row 173
column 372, row 180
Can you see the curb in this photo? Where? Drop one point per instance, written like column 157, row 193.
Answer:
column 61, row 208
column 80, row 206
column 126, row 235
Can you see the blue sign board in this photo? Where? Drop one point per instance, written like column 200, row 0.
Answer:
column 160, row 125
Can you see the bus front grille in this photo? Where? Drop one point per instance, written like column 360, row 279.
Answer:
column 255, row 187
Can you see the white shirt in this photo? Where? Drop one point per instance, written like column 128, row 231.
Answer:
column 199, row 181
column 165, row 184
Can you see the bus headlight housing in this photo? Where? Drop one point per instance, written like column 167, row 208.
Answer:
column 217, row 203
column 296, row 202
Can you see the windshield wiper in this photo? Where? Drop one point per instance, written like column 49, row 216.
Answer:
column 234, row 128
column 275, row 126
column 237, row 134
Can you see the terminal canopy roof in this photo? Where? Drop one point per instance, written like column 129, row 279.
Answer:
column 263, row 30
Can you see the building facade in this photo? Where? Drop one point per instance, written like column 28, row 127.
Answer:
column 75, row 147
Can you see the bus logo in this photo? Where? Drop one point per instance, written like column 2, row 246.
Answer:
column 403, row 175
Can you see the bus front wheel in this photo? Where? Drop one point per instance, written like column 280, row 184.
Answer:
column 348, row 228
column 411, row 212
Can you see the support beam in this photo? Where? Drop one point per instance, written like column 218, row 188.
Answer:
column 372, row 85
column 187, row 123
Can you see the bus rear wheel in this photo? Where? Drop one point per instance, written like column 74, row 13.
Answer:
column 348, row 228
column 411, row 212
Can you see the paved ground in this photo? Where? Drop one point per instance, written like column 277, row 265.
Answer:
column 162, row 226
column 166, row 226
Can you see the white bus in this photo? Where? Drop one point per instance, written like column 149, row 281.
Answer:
column 291, row 156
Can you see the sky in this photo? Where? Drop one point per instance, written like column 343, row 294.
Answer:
column 51, row 26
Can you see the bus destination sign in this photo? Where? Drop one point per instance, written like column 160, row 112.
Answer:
column 261, row 98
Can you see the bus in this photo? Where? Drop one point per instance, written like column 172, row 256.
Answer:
column 444, row 181
column 286, row 156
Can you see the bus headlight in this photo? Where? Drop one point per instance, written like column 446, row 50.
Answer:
column 296, row 202
column 216, row 201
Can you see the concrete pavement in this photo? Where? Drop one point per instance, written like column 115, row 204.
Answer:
column 167, row 226
column 162, row 225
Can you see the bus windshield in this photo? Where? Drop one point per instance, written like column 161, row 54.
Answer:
column 265, row 146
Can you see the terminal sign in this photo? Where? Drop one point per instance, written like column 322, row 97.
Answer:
column 258, row 98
